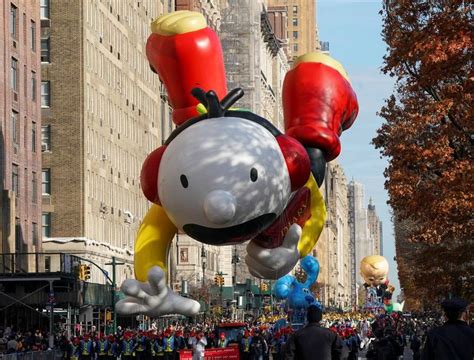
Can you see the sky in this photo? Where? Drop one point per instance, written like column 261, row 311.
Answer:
column 353, row 29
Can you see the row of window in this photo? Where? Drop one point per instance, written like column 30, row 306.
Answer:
column 14, row 24
column 15, row 131
column 16, row 183
column 15, row 79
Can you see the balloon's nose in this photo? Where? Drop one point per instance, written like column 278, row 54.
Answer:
column 219, row 207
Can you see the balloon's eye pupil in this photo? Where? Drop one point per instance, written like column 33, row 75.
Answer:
column 184, row 181
column 253, row 174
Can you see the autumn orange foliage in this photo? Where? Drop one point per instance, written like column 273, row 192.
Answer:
column 428, row 138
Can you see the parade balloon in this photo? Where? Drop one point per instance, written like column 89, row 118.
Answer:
column 226, row 176
column 374, row 270
column 297, row 294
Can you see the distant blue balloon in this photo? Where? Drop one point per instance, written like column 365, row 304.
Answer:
column 298, row 295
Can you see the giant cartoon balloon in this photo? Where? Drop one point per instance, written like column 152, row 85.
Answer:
column 298, row 295
column 374, row 270
column 228, row 176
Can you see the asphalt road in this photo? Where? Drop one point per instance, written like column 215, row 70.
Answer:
column 406, row 356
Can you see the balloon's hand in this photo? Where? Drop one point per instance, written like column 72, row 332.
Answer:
column 274, row 263
column 178, row 22
column 154, row 297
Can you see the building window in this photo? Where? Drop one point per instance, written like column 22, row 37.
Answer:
column 15, row 128
column 34, row 187
column 33, row 137
column 45, row 94
column 33, row 86
column 14, row 74
column 295, row 35
column 295, row 47
column 46, row 220
column 46, row 138
column 15, row 181
column 295, row 21
column 44, row 9
column 46, row 182
column 34, row 234
column 33, row 35
column 13, row 21
column 45, row 47
column 295, row 9
column 183, row 255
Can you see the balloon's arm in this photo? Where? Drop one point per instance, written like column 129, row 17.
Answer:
column 313, row 227
column 153, row 242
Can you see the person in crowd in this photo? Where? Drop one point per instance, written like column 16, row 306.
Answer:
column 222, row 343
column 313, row 341
column 114, row 349
column 259, row 346
column 102, row 347
column 415, row 346
column 157, row 350
column 140, row 346
column 199, row 346
column 128, row 347
column 169, row 345
column 245, row 346
column 86, row 347
column 454, row 339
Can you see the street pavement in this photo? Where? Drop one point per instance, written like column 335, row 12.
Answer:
column 406, row 356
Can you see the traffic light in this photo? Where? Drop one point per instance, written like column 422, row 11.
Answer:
column 80, row 272
column 221, row 280
column 217, row 280
column 264, row 287
column 87, row 272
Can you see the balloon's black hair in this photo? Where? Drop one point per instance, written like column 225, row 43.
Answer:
column 216, row 108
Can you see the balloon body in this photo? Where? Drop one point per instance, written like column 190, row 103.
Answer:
column 225, row 176
column 297, row 294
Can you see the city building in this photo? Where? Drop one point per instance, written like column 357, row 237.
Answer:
column 301, row 25
column 103, row 112
column 366, row 232
column 375, row 227
column 209, row 8
column 333, row 246
column 20, row 168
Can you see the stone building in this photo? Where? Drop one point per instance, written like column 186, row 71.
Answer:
column 366, row 238
column 20, row 168
column 375, row 227
column 301, row 25
column 103, row 111
column 333, row 246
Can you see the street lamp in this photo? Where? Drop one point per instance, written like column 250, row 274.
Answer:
column 203, row 262
column 235, row 261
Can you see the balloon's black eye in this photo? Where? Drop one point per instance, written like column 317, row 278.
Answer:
column 184, row 181
column 253, row 174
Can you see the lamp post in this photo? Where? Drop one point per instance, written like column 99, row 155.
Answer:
column 235, row 261
column 203, row 263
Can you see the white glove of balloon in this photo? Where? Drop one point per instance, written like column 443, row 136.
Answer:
column 274, row 263
column 154, row 297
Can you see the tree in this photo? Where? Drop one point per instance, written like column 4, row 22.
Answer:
column 428, row 140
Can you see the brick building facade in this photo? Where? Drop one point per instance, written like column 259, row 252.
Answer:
column 20, row 167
